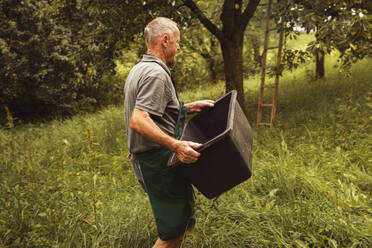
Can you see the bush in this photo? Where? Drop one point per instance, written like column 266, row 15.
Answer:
column 49, row 63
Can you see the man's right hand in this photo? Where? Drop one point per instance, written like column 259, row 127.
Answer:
column 185, row 151
column 142, row 123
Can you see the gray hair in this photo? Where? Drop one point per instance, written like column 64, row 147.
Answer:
column 157, row 27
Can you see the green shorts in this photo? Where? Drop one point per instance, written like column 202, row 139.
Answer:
column 171, row 195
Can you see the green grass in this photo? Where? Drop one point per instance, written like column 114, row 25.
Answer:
column 300, row 41
column 311, row 184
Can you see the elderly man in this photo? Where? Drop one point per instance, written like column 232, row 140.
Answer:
column 154, row 119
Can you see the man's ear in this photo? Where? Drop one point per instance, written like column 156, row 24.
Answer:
column 165, row 39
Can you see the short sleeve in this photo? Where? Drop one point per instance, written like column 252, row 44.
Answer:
column 152, row 96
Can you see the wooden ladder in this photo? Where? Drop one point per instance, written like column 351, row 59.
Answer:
column 275, row 85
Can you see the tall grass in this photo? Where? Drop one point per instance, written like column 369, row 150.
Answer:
column 69, row 183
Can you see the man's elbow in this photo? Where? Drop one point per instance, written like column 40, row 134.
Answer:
column 133, row 124
column 137, row 118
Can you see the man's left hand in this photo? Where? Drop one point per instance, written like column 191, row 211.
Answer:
column 197, row 106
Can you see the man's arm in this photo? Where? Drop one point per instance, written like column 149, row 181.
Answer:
column 142, row 123
column 197, row 106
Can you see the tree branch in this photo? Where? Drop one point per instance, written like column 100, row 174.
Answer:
column 203, row 19
column 228, row 16
column 248, row 13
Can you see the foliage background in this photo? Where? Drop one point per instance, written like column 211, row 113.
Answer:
column 59, row 58
column 69, row 183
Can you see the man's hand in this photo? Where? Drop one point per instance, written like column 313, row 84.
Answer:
column 185, row 151
column 197, row 106
column 142, row 123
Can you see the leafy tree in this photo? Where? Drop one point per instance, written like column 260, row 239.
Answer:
column 338, row 24
column 35, row 68
column 54, row 56
column 58, row 56
column 195, row 39
column 234, row 19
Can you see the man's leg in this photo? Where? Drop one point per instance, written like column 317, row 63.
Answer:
column 172, row 209
column 174, row 243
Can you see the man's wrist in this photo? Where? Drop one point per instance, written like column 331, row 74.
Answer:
column 173, row 144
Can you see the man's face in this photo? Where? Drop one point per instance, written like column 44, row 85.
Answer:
column 171, row 49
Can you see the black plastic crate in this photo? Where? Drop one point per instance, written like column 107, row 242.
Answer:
column 226, row 154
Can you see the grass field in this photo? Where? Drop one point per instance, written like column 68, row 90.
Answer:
column 69, row 184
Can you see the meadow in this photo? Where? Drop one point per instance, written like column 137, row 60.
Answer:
column 68, row 183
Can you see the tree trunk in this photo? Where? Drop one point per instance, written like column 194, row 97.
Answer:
column 234, row 20
column 233, row 66
column 319, row 66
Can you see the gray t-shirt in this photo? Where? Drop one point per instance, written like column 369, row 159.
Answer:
column 149, row 88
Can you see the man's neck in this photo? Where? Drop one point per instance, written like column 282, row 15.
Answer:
column 157, row 54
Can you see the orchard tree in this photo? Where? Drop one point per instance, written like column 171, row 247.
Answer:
column 51, row 58
column 338, row 24
column 37, row 65
column 234, row 18
column 56, row 56
column 229, row 30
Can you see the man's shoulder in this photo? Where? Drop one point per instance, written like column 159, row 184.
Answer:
column 150, row 70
